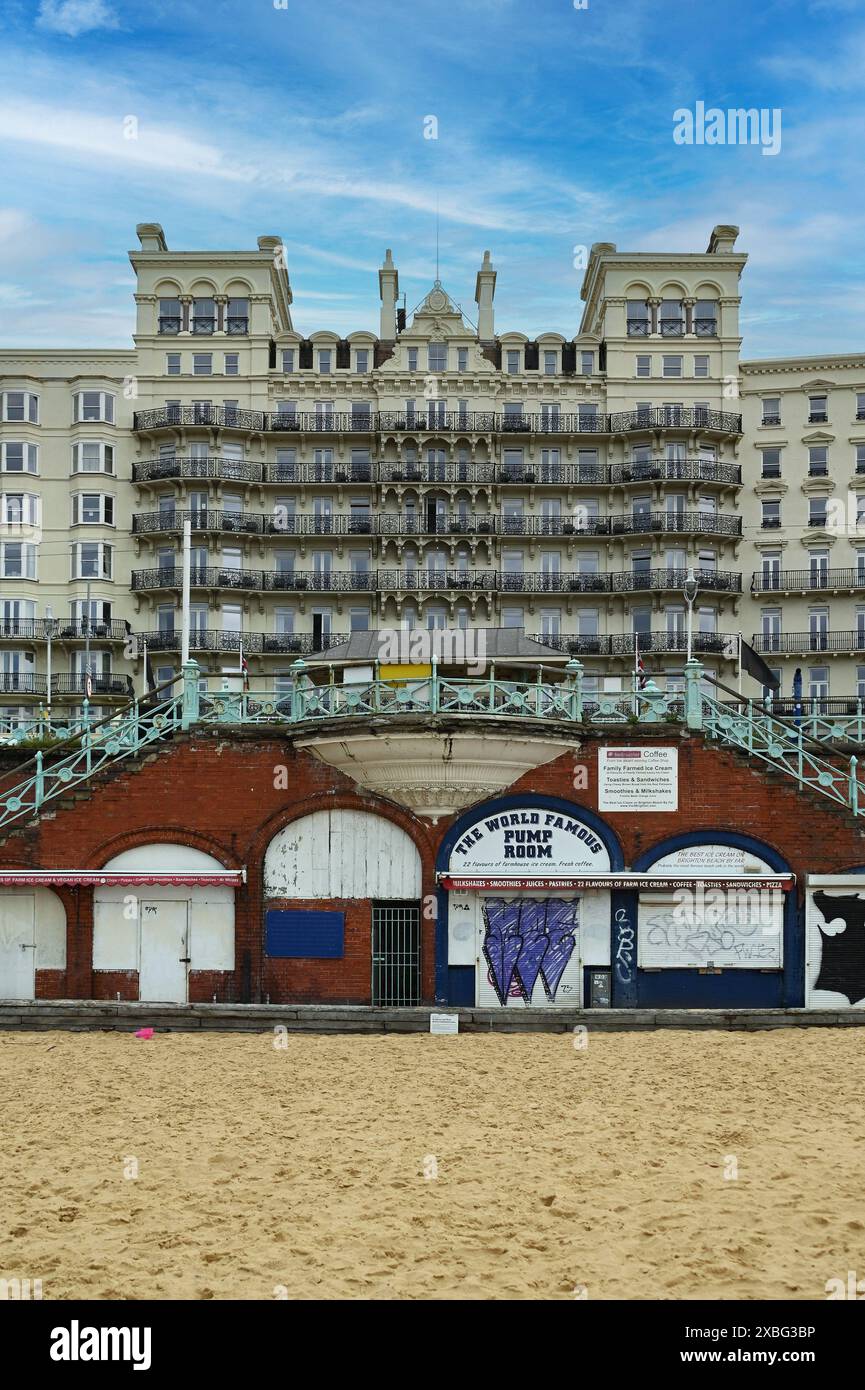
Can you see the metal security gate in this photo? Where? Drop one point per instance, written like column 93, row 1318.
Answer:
column 395, row 953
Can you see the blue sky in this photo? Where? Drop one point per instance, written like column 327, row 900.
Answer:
column 554, row 130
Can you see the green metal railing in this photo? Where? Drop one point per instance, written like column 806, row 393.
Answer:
column 69, row 762
column 787, row 746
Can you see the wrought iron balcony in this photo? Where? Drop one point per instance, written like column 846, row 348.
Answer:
column 19, row 683
column 320, row 472
column 717, row 643
column 677, row 471
column 202, row 519
column 390, row 524
column 553, row 583
column 706, row 328
column 237, row 325
column 170, row 326
column 445, row 422
column 675, row 417
column 806, row 581
column 203, row 327
column 781, row 643
column 575, row 644
column 201, row 577
column 639, row 328
column 253, row 643
column 716, row 581
column 702, row 523
column 771, row 420
column 671, row 328
column 63, row 630
column 331, row 581
column 430, row 580
column 424, row 471
column 212, row 416
column 102, row 685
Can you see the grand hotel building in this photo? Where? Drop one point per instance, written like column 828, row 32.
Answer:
column 439, row 473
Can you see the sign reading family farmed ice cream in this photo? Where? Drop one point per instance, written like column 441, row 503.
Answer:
column 638, row 779
column 528, row 840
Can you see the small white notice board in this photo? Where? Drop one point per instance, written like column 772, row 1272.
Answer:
column 444, row 1023
column 638, row 779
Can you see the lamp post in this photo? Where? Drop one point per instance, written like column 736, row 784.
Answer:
column 690, row 590
column 50, row 627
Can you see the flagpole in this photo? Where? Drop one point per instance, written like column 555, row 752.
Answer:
column 144, row 686
column 739, row 665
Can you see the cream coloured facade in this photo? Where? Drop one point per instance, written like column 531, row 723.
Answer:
column 439, row 473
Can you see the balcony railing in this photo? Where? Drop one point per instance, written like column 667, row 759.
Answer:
column 715, row 581
column 671, row 328
column 676, row 471
column 332, row 581
column 170, row 326
column 62, row 630
column 237, row 325
column 320, row 472
column 202, row 519
column 444, row 422
column 622, row 644
column 75, row 683
column 17, row 683
column 427, row 472
column 430, row 581
column 252, row 643
column 706, row 328
column 676, row 417
column 167, row 469
column 781, row 642
column 201, row 577
column 804, row 581
column 390, row 524
column 639, row 328
column 703, row 523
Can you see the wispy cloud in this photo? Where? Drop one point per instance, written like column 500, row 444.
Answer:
column 74, row 17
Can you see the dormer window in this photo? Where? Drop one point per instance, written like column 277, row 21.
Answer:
column 203, row 316
column 513, row 362
column 438, row 357
column 170, row 316
column 550, row 363
column 324, row 360
column 361, row 361
column 412, row 359
column 237, row 318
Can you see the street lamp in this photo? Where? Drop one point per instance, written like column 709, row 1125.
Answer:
column 691, row 588
column 49, row 627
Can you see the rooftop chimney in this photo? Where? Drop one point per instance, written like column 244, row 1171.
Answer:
column 388, row 285
column 151, row 236
column 485, row 288
column 722, row 239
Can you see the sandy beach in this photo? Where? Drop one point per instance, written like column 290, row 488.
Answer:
column 425, row 1167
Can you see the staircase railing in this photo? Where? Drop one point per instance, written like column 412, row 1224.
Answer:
column 785, row 746
column 94, row 746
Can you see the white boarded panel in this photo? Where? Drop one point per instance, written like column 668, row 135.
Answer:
column 342, row 854
column 115, row 936
column 211, row 943
column 50, row 931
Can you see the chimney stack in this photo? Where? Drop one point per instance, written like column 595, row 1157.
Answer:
column 485, row 288
column 388, row 285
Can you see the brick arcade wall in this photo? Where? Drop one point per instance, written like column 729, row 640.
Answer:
column 222, row 795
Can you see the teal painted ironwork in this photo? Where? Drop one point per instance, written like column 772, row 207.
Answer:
column 787, row 748
column 93, row 747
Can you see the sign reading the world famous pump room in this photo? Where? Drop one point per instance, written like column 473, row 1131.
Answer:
column 530, row 841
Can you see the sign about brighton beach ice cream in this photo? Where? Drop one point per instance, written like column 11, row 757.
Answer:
column 638, row 779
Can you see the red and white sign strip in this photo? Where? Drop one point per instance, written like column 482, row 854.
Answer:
column 86, row 878
column 643, row 883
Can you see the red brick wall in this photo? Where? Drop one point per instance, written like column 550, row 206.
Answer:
column 51, row 984
column 218, row 795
